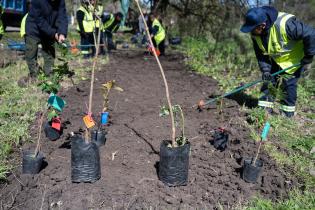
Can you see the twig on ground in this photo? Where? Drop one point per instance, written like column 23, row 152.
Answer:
column 145, row 179
column 113, row 154
column 43, row 198
column 17, row 179
column 194, row 138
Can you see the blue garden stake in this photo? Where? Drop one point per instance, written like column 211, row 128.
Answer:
column 263, row 136
column 56, row 102
column 104, row 118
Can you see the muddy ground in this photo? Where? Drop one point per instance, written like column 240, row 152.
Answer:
column 128, row 160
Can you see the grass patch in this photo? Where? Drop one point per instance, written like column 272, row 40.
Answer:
column 220, row 61
column 296, row 201
column 18, row 107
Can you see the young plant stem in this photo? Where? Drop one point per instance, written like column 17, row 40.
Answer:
column 105, row 106
column 260, row 143
column 258, row 151
column 221, row 105
column 38, row 146
column 163, row 75
column 97, row 43
column 183, row 121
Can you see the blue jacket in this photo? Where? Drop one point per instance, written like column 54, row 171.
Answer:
column 46, row 18
column 296, row 30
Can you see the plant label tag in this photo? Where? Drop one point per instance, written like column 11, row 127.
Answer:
column 265, row 131
column 104, row 118
column 88, row 121
column 56, row 123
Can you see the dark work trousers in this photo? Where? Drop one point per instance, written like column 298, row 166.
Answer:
column 288, row 85
column 109, row 40
column 102, row 47
column 87, row 45
column 161, row 46
column 31, row 52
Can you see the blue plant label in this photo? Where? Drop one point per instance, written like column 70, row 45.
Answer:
column 104, row 118
column 265, row 131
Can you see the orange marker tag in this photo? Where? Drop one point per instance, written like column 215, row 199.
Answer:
column 56, row 123
column 88, row 121
column 152, row 49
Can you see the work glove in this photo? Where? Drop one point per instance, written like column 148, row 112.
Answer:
column 308, row 59
column 306, row 62
column 266, row 76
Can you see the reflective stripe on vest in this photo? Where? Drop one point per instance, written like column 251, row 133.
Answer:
column 160, row 35
column 23, row 24
column 283, row 51
column 287, row 108
column 88, row 21
column 108, row 23
column 267, row 104
column 1, row 23
column 85, row 52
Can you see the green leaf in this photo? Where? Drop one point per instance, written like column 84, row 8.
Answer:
column 164, row 111
column 52, row 114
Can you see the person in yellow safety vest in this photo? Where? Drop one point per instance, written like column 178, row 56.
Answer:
column 86, row 26
column 98, row 27
column 23, row 22
column 280, row 40
column 1, row 23
column 111, row 23
column 157, row 34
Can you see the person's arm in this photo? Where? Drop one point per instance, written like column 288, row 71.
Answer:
column 297, row 30
column 80, row 18
column 105, row 18
column 62, row 19
column 155, row 30
column 116, row 26
column 37, row 14
column 263, row 60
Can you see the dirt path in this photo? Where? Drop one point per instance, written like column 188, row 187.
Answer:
column 130, row 180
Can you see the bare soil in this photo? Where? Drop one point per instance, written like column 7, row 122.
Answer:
column 130, row 156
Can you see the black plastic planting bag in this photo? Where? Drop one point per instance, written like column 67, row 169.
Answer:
column 220, row 140
column 85, row 161
column 99, row 137
column 174, row 164
column 251, row 172
column 30, row 163
column 51, row 133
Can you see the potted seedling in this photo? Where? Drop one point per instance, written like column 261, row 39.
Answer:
column 85, row 156
column 33, row 160
column 53, row 127
column 51, row 85
column 99, row 135
column 174, row 160
column 174, row 154
column 252, row 166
